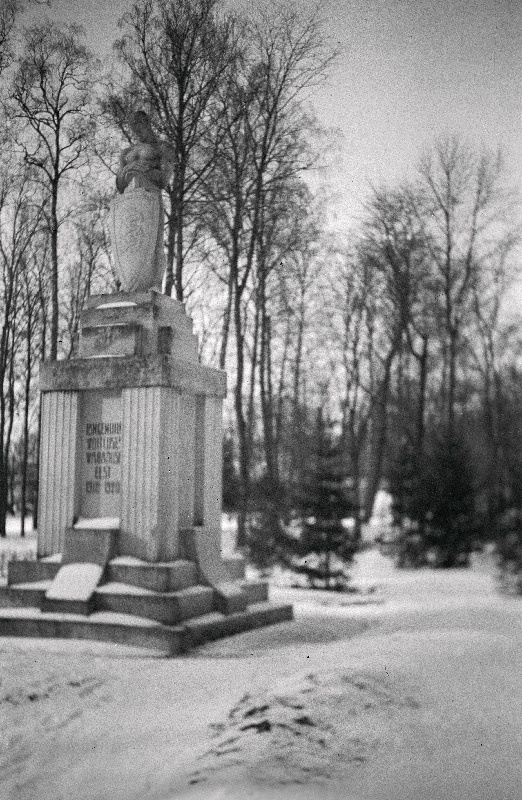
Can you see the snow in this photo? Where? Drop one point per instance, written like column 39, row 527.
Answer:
column 129, row 561
column 414, row 698
column 115, row 587
column 12, row 526
column 119, row 304
column 56, row 558
column 115, row 618
column 75, row 581
column 97, row 523
column 33, row 585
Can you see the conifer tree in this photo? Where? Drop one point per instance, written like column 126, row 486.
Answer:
column 326, row 544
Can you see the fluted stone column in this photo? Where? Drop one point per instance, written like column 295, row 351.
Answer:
column 150, row 473
column 187, row 439
column 58, row 485
column 208, row 466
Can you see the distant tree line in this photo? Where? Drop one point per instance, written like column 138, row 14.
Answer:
column 393, row 333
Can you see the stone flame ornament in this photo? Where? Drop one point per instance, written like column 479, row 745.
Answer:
column 137, row 209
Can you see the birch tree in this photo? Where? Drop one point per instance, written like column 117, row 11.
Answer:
column 51, row 92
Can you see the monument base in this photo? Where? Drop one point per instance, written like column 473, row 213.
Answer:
column 159, row 606
column 129, row 520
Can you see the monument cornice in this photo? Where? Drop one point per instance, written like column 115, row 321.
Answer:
column 83, row 374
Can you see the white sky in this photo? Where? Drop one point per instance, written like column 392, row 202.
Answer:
column 409, row 70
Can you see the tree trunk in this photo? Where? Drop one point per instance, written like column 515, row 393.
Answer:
column 39, row 424
column 421, row 410
column 3, row 495
column 179, row 246
column 242, row 428
column 226, row 322
column 27, row 393
column 55, row 322
column 378, row 436
column 171, row 243
column 452, row 382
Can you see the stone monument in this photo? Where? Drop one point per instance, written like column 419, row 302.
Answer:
column 129, row 519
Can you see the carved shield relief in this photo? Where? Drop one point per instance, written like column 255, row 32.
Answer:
column 137, row 221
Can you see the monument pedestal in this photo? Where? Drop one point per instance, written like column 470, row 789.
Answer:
column 130, row 480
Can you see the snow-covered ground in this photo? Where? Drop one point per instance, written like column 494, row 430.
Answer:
column 418, row 697
column 12, row 546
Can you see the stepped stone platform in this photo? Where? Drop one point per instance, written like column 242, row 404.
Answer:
column 130, row 488
column 161, row 606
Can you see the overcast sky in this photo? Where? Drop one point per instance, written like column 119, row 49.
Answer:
column 408, row 70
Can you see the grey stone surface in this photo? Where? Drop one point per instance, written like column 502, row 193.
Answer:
column 119, row 339
column 235, row 565
column 99, row 626
column 159, row 606
column 30, row 571
column 82, row 374
column 137, row 237
column 157, row 577
column 90, row 545
column 164, row 327
column 150, row 473
column 229, row 597
column 216, row 625
column 59, row 465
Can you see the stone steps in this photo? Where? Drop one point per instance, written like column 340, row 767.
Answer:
column 159, row 606
column 166, row 607
column 136, row 631
column 100, row 626
column 256, row 591
column 25, row 571
column 213, row 626
column 170, row 577
column 31, row 593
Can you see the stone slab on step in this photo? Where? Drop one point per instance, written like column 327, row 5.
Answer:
column 72, row 588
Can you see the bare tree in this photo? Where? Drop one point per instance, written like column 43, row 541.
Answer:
column 20, row 220
column 8, row 10
column 31, row 332
column 265, row 147
column 51, row 92
column 493, row 344
column 460, row 203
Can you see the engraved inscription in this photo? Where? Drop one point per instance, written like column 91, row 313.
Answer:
column 102, row 457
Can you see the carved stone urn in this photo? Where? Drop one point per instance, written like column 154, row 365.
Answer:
column 137, row 237
column 137, row 209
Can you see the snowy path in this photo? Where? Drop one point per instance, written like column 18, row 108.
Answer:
column 419, row 698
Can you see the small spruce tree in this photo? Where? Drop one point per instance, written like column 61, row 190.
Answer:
column 437, row 497
column 325, row 545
